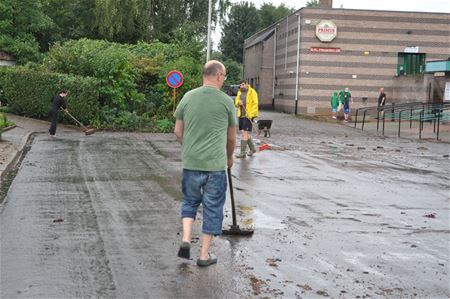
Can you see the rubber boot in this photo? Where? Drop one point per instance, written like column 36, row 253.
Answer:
column 243, row 148
column 251, row 146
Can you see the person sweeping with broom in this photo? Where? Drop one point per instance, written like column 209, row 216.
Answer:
column 206, row 127
column 58, row 101
column 247, row 103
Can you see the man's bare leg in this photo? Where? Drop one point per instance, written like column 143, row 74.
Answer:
column 187, row 229
column 206, row 244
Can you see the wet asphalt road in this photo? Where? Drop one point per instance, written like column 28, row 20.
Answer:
column 336, row 213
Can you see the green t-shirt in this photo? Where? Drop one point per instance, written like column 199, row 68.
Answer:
column 207, row 113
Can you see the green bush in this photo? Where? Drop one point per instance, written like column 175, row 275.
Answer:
column 112, row 86
column 4, row 122
column 165, row 125
column 29, row 93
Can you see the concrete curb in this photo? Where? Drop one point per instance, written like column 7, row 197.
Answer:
column 16, row 157
column 9, row 128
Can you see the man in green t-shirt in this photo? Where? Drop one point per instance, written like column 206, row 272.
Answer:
column 206, row 127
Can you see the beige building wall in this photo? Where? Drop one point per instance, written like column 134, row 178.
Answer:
column 259, row 70
column 369, row 43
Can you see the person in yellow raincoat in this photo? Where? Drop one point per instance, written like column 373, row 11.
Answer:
column 247, row 103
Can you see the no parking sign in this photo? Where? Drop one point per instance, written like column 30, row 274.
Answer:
column 174, row 79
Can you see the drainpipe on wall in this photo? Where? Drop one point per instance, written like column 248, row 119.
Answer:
column 287, row 35
column 274, row 66
column 298, row 62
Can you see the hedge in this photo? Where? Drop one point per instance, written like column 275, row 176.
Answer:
column 29, row 93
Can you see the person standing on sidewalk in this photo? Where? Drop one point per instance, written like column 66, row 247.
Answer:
column 206, row 127
column 346, row 98
column 381, row 101
column 247, row 103
column 334, row 104
column 58, row 101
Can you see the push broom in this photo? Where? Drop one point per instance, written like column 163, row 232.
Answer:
column 86, row 131
column 235, row 229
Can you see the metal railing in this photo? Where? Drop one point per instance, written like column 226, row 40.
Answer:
column 418, row 111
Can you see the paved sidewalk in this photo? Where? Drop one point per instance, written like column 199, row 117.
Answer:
column 14, row 140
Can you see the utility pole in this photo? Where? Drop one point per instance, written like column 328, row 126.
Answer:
column 208, row 47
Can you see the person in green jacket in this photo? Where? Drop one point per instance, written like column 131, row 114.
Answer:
column 334, row 103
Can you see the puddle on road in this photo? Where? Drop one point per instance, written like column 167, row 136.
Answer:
column 256, row 218
column 245, row 209
column 262, row 220
column 248, row 222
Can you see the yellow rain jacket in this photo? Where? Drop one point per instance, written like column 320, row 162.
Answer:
column 251, row 106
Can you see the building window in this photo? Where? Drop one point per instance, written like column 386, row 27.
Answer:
column 411, row 64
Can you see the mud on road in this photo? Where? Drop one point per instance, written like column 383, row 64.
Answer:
column 336, row 213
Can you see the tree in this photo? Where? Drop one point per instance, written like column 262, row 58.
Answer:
column 243, row 21
column 122, row 21
column 20, row 22
column 130, row 21
column 269, row 14
column 234, row 69
column 72, row 19
column 312, row 3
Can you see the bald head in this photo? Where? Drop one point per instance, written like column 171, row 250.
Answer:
column 212, row 68
column 214, row 74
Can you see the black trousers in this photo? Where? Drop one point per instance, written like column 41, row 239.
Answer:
column 54, row 117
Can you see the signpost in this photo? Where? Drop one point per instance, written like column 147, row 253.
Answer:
column 174, row 79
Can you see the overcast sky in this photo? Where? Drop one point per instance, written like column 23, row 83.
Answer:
column 401, row 5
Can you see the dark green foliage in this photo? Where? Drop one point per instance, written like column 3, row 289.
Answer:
column 72, row 19
column 132, row 77
column 234, row 69
column 269, row 14
column 243, row 21
column 29, row 93
column 30, row 27
column 20, row 23
column 312, row 3
column 130, row 87
column 165, row 125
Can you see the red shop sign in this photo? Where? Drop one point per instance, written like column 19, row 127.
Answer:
column 325, row 50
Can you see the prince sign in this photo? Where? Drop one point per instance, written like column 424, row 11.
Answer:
column 326, row 31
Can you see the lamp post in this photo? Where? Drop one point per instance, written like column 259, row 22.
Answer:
column 208, row 47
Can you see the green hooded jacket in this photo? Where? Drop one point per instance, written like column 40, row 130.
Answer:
column 334, row 100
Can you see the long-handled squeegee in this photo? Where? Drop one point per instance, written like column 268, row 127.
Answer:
column 235, row 229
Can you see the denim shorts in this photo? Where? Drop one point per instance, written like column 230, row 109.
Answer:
column 245, row 124
column 209, row 189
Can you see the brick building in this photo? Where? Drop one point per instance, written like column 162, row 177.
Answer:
column 297, row 63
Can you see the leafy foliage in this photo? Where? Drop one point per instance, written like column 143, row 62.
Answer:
column 20, row 23
column 312, row 3
column 269, row 14
column 29, row 93
column 234, row 69
column 243, row 21
column 130, row 86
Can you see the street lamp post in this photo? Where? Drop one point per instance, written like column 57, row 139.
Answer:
column 208, row 47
